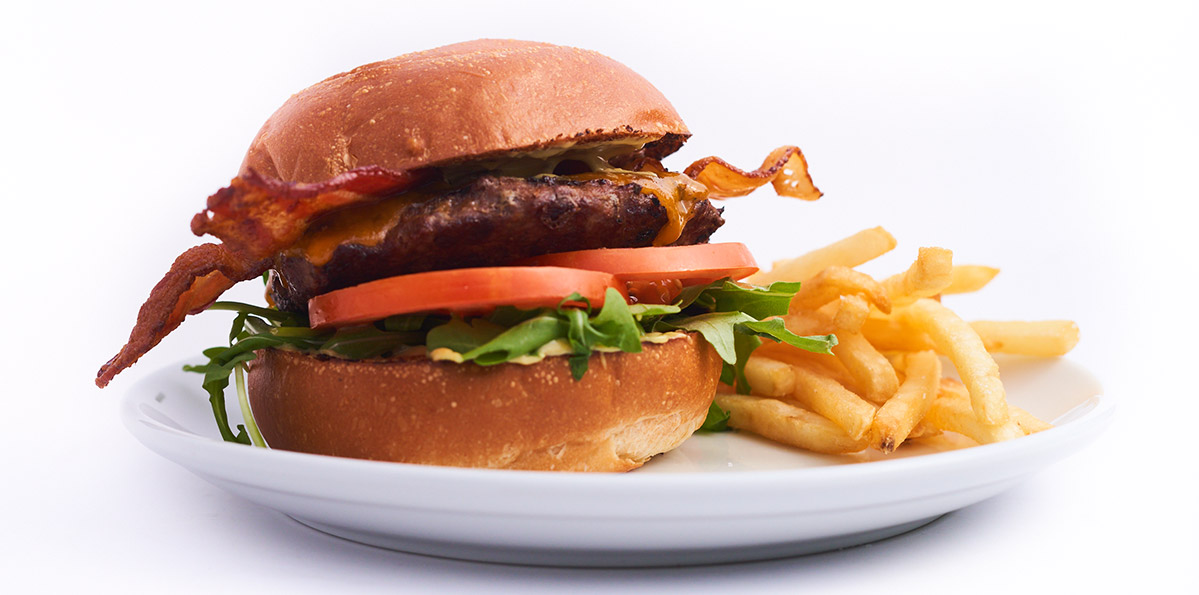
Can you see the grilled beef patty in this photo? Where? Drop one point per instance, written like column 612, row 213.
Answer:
column 492, row 221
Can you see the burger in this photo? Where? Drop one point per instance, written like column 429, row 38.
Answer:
column 474, row 256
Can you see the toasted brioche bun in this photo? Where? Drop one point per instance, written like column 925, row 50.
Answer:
column 626, row 408
column 461, row 102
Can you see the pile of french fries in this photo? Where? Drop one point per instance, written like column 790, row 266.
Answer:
column 884, row 385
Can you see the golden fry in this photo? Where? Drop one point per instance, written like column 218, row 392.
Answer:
column 869, row 368
column 768, row 377
column 893, row 334
column 1027, row 421
column 824, row 395
column 808, row 323
column 835, row 282
column 788, row 424
column 1045, row 338
column 827, row 365
column 924, row 429
column 898, row 417
column 957, row 340
column 859, row 248
column 952, row 410
column 928, row 276
column 968, row 278
column 852, row 311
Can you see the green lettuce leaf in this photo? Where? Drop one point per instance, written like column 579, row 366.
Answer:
column 774, row 329
column 717, row 419
column 522, row 339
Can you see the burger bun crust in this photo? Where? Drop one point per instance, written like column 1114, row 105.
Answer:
column 474, row 100
column 626, row 408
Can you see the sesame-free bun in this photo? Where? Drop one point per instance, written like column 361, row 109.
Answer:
column 626, row 408
column 461, row 102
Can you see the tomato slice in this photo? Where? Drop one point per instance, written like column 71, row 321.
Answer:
column 700, row 263
column 460, row 291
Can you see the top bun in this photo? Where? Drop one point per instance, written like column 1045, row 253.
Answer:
column 460, row 102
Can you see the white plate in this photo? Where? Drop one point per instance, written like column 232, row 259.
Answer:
column 719, row 498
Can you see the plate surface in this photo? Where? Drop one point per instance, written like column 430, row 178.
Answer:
column 719, row 498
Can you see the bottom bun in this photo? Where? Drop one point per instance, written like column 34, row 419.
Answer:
column 627, row 408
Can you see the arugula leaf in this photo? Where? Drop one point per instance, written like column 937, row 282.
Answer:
column 734, row 374
column 697, row 295
column 404, row 322
column 775, row 330
column 367, row 342
column 615, row 326
column 462, row 336
column 288, row 318
column 508, row 316
column 641, row 311
column 758, row 302
column 717, row 419
column 243, row 400
column 519, row 340
column 717, row 328
column 579, row 338
column 216, row 378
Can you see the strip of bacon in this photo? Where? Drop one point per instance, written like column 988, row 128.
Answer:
column 255, row 218
column 196, row 279
column 785, row 168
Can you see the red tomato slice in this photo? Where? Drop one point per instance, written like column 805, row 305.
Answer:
column 700, row 263
column 462, row 291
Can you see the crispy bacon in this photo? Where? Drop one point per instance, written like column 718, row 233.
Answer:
column 196, row 279
column 256, row 218
column 785, row 168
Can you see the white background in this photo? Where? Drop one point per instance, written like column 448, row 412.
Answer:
column 1057, row 141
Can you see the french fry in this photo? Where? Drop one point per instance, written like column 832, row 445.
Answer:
column 1027, row 421
column 957, row 340
column 808, row 323
column 1044, row 338
column 952, row 410
column 824, row 395
column 859, row 248
column 924, row 429
column 835, row 282
column 788, row 424
column 896, row 419
column 827, row 365
column 928, row 276
column 872, row 373
column 769, row 377
column 967, row 278
column 890, row 333
column 852, row 311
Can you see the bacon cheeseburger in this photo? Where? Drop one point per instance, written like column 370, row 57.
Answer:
column 475, row 258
